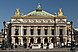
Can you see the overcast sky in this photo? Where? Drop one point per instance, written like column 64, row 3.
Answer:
column 70, row 8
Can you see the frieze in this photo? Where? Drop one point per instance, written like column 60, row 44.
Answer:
column 38, row 20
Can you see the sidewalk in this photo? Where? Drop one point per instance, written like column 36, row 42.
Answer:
column 21, row 49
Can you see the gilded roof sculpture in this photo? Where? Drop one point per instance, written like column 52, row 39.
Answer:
column 60, row 13
column 17, row 13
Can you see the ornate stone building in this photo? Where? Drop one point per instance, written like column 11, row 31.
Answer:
column 39, row 27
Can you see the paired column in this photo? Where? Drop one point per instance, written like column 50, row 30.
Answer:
column 21, row 40
column 13, row 31
column 42, row 30
column 21, row 30
column 13, row 40
column 28, row 30
column 49, row 30
column 35, row 31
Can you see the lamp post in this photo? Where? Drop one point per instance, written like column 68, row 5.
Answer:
column 9, row 34
column 4, row 28
column 3, row 42
column 71, row 36
column 54, row 31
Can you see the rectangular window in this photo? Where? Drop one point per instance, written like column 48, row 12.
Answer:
column 16, row 32
column 32, row 31
column 52, row 31
column 24, row 31
column 45, row 31
column 38, row 31
column 61, row 31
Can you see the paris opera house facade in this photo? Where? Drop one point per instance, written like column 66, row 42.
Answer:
column 39, row 27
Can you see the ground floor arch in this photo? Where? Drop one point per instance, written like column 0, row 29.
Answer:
column 31, row 40
column 38, row 40
column 16, row 40
column 46, row 40
column 24, row 39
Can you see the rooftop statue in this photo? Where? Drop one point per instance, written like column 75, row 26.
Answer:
column 17, row 13
column 60, row 13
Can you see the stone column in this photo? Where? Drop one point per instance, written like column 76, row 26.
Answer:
column 41, row 39
column 29, row 40
column 48, row 39
column 21, row 40
column 28, row 30
column 56, row 31
column 13, row 40
column 21, row 30
column 49, row 30
column 65, row 32
column 42, row 30
column 13, row 31
column 34, row 39
column 35, row 30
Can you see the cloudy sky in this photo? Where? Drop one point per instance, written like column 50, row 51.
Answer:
column 70, row 8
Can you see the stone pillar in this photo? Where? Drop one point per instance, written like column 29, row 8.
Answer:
column 29, row 40
column 56, row 31
column 49, row 30
column 65, row 32
column 34, row 39
column 28, row 30
column 21, row 30
column 13, row 40
column 21, row 40
column 13, row 31
column 48, row 39
column 42, row 30
column 35, row 31
column 43, row 40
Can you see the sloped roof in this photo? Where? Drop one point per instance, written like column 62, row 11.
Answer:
column 39, row 13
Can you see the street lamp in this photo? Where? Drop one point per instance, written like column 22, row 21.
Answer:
column 54, row 31
column 71, row 36
column 4, row 28
column 3, row 41
column 9, row 34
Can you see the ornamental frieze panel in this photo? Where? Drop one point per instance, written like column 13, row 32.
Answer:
column 16, row 21
column 38, row 20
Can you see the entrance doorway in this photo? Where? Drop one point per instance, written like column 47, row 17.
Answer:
column 24, row 40
column 16, row 40
column 46, row 40
column 39, row 40
column 31, row 40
